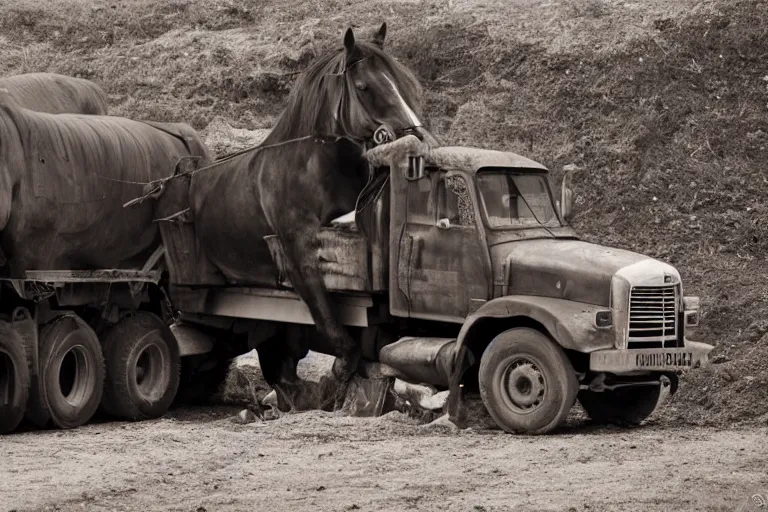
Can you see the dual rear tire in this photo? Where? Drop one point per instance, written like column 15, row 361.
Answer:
column 143, row 368
column 134, row 376
column 71, row 374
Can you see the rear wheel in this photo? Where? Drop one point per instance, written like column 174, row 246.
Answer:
column 143, row 367
column 14, row 379
column 71, row 374
column 527, row 382
column 621, row 406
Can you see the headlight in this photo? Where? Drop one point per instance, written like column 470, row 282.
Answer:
column 691, row 308
column 603, row 319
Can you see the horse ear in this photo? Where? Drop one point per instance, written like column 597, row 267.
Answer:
column 349, row 41
column 378, row 37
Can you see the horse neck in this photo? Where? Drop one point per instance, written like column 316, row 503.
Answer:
column 301, row 119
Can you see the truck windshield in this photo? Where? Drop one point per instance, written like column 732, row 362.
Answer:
column 515, row 200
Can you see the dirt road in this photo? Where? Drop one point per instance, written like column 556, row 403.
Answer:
column 198, row 460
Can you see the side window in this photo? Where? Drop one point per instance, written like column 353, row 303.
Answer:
column 454, row 201
column 418, row 201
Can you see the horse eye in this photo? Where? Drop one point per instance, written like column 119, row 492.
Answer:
column 361, row 86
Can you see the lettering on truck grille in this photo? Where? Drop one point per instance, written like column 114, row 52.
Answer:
column 668, row 359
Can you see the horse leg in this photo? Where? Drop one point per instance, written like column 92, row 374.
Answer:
column 279, row 359
column 301, row 248
column 279, row 369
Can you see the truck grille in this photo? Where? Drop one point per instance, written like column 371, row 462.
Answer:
column 653, row 314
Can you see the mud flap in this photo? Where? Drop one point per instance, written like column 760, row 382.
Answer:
column 369, row 397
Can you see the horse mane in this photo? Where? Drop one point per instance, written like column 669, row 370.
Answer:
column 319, row 89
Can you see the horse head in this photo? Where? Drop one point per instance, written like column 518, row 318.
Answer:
column 378, row 90
column 353, row 92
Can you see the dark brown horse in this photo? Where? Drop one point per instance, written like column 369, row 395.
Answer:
column 56, row 94
column 64, row 179
column 308, row 171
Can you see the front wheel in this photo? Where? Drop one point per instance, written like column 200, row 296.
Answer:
column 623, row 406
column 527, row 382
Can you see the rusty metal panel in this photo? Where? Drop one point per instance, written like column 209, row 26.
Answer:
column 447, row 270
column 629, row 360
column 457, row 158
column 343, row 257
column 192, row 341
column 93, row 276
column 279, row 307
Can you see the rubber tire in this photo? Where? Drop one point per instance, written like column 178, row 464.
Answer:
column 123, row 345
column 552, row 362
column 627, row 406
column 14, row 352
column 57, row 339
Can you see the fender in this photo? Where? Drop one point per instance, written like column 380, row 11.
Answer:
column 571, row 324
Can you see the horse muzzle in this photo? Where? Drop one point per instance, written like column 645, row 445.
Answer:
column 384, row 134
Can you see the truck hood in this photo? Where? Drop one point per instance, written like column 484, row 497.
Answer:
column 571, row 269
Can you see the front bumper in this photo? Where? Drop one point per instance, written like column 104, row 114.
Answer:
column 692, row 355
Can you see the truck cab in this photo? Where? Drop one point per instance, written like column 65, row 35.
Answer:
column 478, row 239
column 460, row 220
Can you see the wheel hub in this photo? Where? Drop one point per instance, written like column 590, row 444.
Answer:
column 74, row 373
column 149, row 375
column 525, row 385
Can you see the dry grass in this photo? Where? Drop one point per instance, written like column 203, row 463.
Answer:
column 663, row 104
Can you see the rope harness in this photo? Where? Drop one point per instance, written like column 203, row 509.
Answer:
column 381, row 135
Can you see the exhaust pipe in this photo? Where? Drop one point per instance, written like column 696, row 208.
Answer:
column 421, row 360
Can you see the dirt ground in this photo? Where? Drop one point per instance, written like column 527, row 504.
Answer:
column 662, row 104
column 198, row 460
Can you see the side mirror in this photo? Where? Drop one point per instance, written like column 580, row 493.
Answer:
column 566, row 203
column 566, row 194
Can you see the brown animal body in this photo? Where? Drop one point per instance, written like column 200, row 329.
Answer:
column 308, row 171
column 56, row 94
column 63, row 182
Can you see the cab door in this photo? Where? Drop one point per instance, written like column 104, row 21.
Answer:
column 441, row 252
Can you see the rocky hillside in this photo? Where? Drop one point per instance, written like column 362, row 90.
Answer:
column 662, row 105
